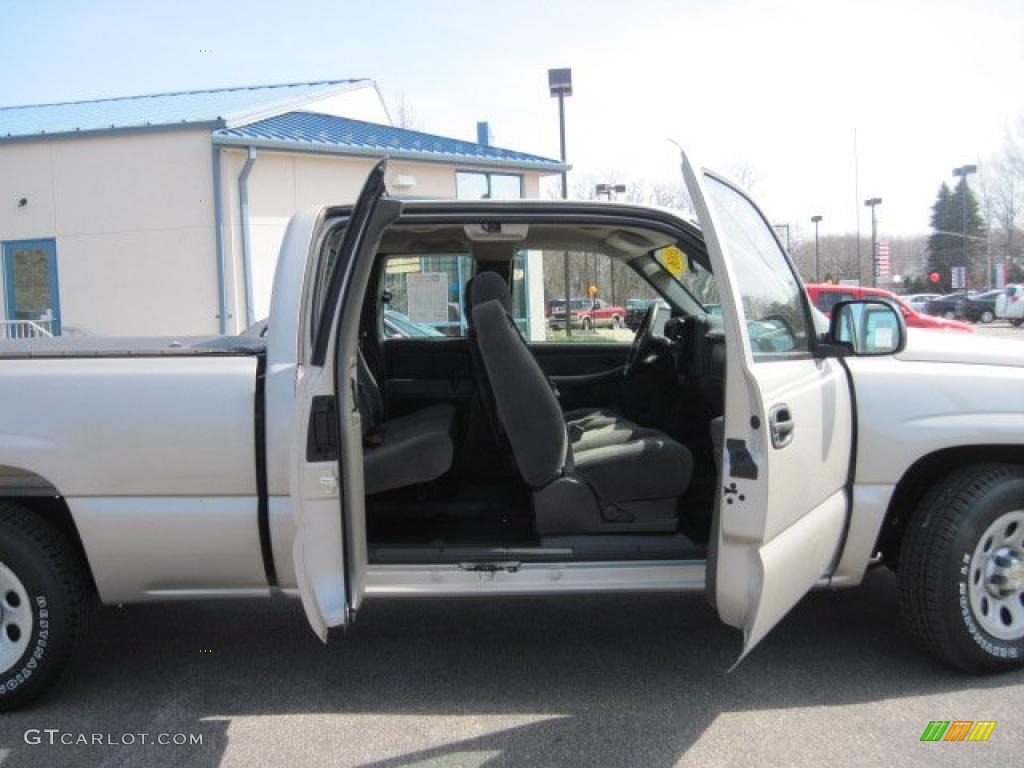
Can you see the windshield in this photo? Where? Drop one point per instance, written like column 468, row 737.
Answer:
column 690, row 274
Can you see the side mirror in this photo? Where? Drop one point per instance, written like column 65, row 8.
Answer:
column 867, row 328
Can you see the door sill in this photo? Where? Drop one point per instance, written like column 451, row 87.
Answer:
column 509, row 577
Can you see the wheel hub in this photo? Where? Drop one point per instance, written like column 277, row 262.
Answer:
column 16, row 618
column 996, row 574
column 1004, row 573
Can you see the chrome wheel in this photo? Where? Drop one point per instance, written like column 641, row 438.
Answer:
column 15, row 618
column 996, row 586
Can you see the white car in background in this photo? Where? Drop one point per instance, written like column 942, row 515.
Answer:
column 918, row 300
column 1010, row 304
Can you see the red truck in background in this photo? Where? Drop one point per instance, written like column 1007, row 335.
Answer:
column 825, row 296
column 585, row 314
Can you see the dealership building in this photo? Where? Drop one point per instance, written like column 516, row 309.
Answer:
column 163, row 214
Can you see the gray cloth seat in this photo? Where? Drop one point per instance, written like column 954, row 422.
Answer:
column 597, row 428
column 629, row 486
column 591, row 427
column 408, row 450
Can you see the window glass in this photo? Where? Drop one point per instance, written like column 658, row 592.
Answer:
column 607, row 299
column 771, row 296
column 425, row 295
column 828, row 299
column 324, row 270
column 479, row 185
column 697, row 281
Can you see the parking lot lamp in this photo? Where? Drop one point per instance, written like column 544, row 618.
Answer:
column 816, row 220
column 872, row 203
column 609, row 191
column 963, row 172
column 560, row 86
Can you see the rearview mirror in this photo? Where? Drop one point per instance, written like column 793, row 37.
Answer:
column 867, row 328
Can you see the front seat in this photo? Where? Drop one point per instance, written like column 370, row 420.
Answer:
column 587, row 427
column 407, row 450
column 630, row 486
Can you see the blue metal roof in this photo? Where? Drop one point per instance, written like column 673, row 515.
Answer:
column 220, row 106
column 310, row 131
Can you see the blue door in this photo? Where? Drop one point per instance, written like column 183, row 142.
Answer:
column 30, row 288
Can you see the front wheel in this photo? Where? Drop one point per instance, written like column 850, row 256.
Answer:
column 43, row 604
column 962, row 569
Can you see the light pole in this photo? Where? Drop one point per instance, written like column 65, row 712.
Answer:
column 610, row 190
column 785, row 227
column 560, row 86
column 962, row 172
column 816, row 220
column 872, row 203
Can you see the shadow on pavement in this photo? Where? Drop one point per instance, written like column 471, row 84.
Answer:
column 617, row 681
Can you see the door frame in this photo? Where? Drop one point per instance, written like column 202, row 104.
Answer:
column 50, row 246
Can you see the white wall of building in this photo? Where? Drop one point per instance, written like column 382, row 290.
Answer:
column 132, row 216
column 282, row 183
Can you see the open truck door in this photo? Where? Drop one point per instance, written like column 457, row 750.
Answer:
column 326, row 473
column 782, row 505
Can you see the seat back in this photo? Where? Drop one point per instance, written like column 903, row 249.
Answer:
column 486, row 286
column 527, row 408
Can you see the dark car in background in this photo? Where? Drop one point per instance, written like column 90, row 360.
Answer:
column 978, row 307
column 945, row 306
column 636, row 309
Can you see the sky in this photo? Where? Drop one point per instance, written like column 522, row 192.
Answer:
column 776, row 88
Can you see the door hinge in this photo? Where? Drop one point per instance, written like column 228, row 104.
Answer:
column 322, row 437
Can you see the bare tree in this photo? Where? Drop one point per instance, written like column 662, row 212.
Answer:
column 403, row 114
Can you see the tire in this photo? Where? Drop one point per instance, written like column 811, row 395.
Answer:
column 949, row 314
column 962, row 569
column 1017, row 321
column 44, row 599
column 987, row 316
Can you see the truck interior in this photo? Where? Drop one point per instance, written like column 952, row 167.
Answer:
column 484, row 446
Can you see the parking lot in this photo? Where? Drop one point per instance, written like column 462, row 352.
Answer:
column 609, row 681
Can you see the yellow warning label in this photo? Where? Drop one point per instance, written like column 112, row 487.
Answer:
column 673, row 259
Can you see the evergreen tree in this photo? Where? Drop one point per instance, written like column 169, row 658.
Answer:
column 946, row 246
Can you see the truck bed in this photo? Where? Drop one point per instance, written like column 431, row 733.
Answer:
column 130, row 346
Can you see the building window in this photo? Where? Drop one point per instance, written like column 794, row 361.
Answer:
column 480, row 185
column 425, row 295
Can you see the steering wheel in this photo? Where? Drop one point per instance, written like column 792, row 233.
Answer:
column 641, row 352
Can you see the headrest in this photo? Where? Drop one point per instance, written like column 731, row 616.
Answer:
column 487, row 286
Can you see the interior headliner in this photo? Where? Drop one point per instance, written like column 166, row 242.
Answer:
column 621, row 242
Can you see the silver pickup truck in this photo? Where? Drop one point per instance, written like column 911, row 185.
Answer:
column 321, row 459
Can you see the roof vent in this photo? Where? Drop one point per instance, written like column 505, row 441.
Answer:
column 483, row 133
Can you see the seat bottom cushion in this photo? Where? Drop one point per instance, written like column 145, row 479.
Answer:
column 601, row 427
column 412, row 449
column 650, row 467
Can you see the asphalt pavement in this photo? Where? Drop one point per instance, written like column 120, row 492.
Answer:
column 588, row 681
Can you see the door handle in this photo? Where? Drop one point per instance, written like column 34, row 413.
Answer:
column 780, row 421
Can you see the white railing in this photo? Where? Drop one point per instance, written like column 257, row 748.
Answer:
column 26, row 329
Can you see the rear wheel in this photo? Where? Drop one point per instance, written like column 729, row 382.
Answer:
column 987, row 316
column 962, row 569
column 1017, row 321
column 949, row 314
column 43, row 604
